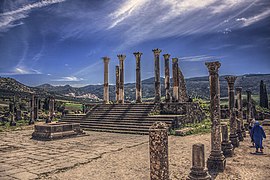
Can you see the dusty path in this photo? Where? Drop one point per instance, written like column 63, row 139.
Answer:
column 115, row 157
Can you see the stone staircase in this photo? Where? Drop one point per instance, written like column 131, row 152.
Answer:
column 119, row 118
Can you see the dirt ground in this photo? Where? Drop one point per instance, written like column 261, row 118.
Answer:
column 133, row 162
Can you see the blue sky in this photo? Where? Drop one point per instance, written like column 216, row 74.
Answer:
column 62, row 41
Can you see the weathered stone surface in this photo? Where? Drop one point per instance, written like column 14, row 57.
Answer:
column 183, row 97
column 167, row 77
column 240, row 110
column 226, row 145
column 32, row 116
column 138, row 77
column 239, row 130
column 117, row 84
column 198, row 170
column 233, row 125
column 157, row 75
column 121, row 58
column 175, row 97
column 216, row 160
column 263, row 95
column 249, row 106
column 52, row 131
column 106, row 80
column 158, row 147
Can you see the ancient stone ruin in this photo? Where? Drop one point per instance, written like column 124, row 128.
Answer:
column 263, row 95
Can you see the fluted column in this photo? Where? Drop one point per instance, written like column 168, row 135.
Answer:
column 249, row 106
column 233, row 134
column 240, row 109
column 157, row 75
column 106, row 98
column 175, row 80
column 117, row 83
column 121, row 58
column 138, row 77
column 216, row 160
column 167, row 77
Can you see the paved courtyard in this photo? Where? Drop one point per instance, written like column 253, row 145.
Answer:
column 113, row 156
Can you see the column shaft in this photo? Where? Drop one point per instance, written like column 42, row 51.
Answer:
column 175, row 80
column 167, row 77
column 157, row 75
column 138, row 77
column 121, row 58
column 106, row 80
column 117, row 84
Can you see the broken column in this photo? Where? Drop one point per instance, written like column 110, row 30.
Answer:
column 158, row 147
column 240, row 110
column 51, row 109
column 32, row 115
column 233, row 134
column 117, row 84
column 175, row 97
column 167, row 77
column 198, row 170
column 226, row 145
column 216, row 160
column 106, row 97
column 249, row 105
column 157, row 75
column 121, row 58
column 138, row 77
column 263, row 95
column 12, row 106
column 183, row 97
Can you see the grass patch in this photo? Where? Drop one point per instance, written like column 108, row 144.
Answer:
column 5, row 126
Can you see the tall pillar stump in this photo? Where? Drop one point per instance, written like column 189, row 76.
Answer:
column 249, row 106
column 216, row 160
column 175, row 80
column 226, row 145
column 233, row 134
column 32, row 113
column 158, row 147
column 198, row 170
column 157, row 75
column 167, row 77
column 138, row 77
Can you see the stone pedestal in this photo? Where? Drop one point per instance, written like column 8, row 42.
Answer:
column 157, row 75
column 226, row 145
column 117, row 84
column 121, row 58
column 198, row 170
column 175, row 97
column 216, row 160
column 106, row 98
column 167, row 77
column 138, row 77
column 158, row 147
column 240, row 110
column 233, row 133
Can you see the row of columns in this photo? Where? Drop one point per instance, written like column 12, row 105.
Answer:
column 119, row 71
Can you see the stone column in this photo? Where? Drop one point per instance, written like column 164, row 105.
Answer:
column 233, row 135
column 51, row 110
column 216, row 160
column 117, row 78
column 226, row 145
column 158, row 147
column 106, row 97
column 157, row 75
column 32, row 113
column 249, row 105
column 175, row 80
column 35, row 108
column 167, row 77
column 240, row 109
column 121, row 58
column 138, row 77
column 198, row 170
column 12, row 112
column 239, row 130
column 183, row 97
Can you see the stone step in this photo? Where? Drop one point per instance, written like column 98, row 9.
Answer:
column 117, row 131
column 147, row 123
column 135, row 129
column 129, row 119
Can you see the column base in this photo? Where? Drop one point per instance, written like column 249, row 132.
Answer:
column 227, row 148
column 31, row 122
column 240, row 136
column 198, row 174
column 216, row 161
column 234, row 140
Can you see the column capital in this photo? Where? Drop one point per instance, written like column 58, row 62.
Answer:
column 231, row 79
column 175, row 60
column 137, row 54
column 121, row 57
column 166, row 56
column 213, row 67
column 238, row 89
column 156, row 51
column 106, row 59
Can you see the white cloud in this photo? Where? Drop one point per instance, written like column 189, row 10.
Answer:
column 21, row 70
column 197, row 58
column 7, row 19
column 256, row 18
column 69, row 78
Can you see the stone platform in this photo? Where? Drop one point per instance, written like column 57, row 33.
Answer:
column 58, row 130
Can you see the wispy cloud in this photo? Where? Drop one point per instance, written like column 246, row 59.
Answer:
column 256, row 18
column 69, row 79
column 197, row 58
column 8, row 19
column 20, row 71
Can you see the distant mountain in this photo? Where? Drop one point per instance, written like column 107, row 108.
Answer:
column 196, row 87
